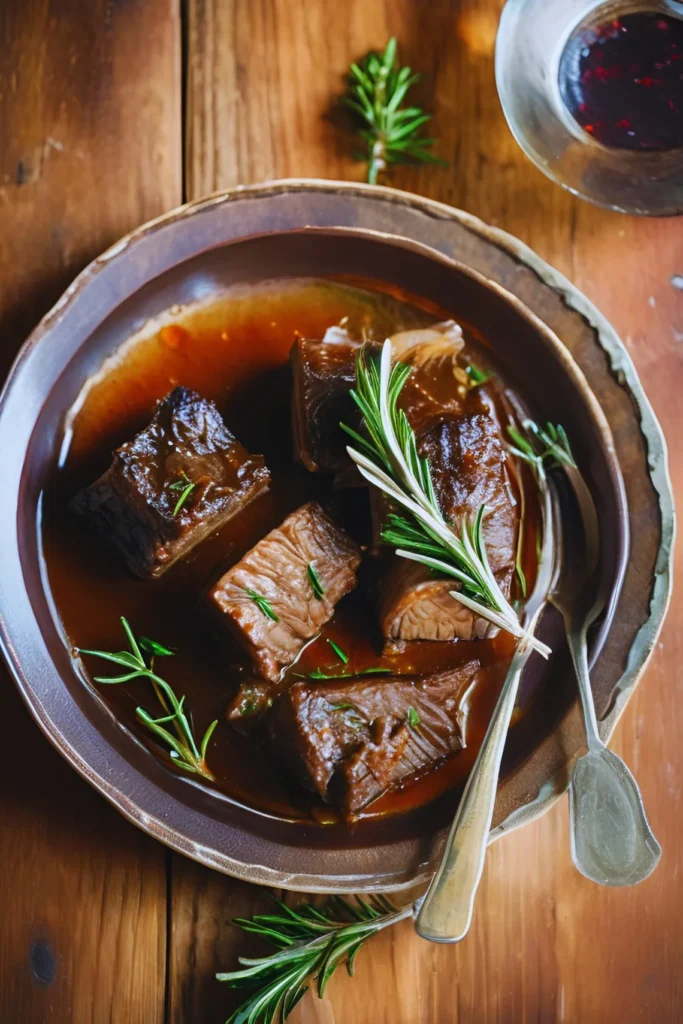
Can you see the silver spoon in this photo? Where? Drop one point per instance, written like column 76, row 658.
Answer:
column 611, row 840
column 444, row 914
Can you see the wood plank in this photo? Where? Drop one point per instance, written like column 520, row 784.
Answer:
column 546, row 945
column 89, row 148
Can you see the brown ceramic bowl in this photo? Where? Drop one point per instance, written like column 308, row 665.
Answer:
column 281, row 230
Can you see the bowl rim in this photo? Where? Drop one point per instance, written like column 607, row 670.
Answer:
column 249, row 871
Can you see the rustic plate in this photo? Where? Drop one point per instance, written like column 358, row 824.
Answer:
column 301, row 227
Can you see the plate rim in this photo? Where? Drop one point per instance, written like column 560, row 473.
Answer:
column 620, row 362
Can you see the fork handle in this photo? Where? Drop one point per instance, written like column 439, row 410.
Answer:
column 446, row 911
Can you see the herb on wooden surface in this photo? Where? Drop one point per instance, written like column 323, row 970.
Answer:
column 392, row 132
column 344, row 658
column 186, row 486
column 184, row 750
column 310, row 942
column 264, row 606
column 314, row 580
column 388, row 458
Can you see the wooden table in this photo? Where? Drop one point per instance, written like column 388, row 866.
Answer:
column 112, row 111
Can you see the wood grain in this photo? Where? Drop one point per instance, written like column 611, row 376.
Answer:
column 90, row 132
column 546, row 945
column 90, row 128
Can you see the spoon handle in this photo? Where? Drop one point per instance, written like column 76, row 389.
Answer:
column 446, row 911
column 578, row 648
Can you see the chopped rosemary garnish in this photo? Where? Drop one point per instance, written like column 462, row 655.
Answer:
column 186, row 486
column 314, row 580
column 388, row 458
column 310, row 943
column 318, row 673
column 184, row 750
column 263, row 605
column 393, row 133
column 476, row 375
column 342, row 706
column 412, row 718
column 344, row 658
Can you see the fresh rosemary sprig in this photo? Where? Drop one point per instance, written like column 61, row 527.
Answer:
column 393, row 133
column 542, row 447
column 388, row 458
column 185, row 752
column 311, row 942
column 263, row 605
column 186, row 486
column 314, row 580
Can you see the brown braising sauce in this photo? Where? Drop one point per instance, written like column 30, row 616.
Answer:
column 235, row 351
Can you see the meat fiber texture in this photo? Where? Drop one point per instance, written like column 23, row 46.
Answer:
column 352, row 740
column 134, row 504
column 277, row 571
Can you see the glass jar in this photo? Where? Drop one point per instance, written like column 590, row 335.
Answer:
column 532, row 38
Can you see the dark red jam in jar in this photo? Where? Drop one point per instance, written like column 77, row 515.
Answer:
column 622, row 81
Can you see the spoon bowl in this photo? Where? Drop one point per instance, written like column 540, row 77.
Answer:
column 611, row 839
column 612, row 843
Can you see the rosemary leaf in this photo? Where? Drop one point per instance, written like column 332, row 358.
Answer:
column 344, row 658
column 154, row 648
column 412, row 718
column 318, row 673
column 186, row 486
column 263, row 605
column 314, row 580
column 476, row 375
column 521, row 576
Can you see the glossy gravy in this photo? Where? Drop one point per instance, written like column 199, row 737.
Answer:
column 235, row 351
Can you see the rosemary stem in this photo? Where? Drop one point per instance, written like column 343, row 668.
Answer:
column 378, row 162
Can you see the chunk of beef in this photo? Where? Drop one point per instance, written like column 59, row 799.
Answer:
column 186, row 448
column 469, row 470
column 351, row 740
column 324, row 371
column 277, row 571
column 439, row 384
